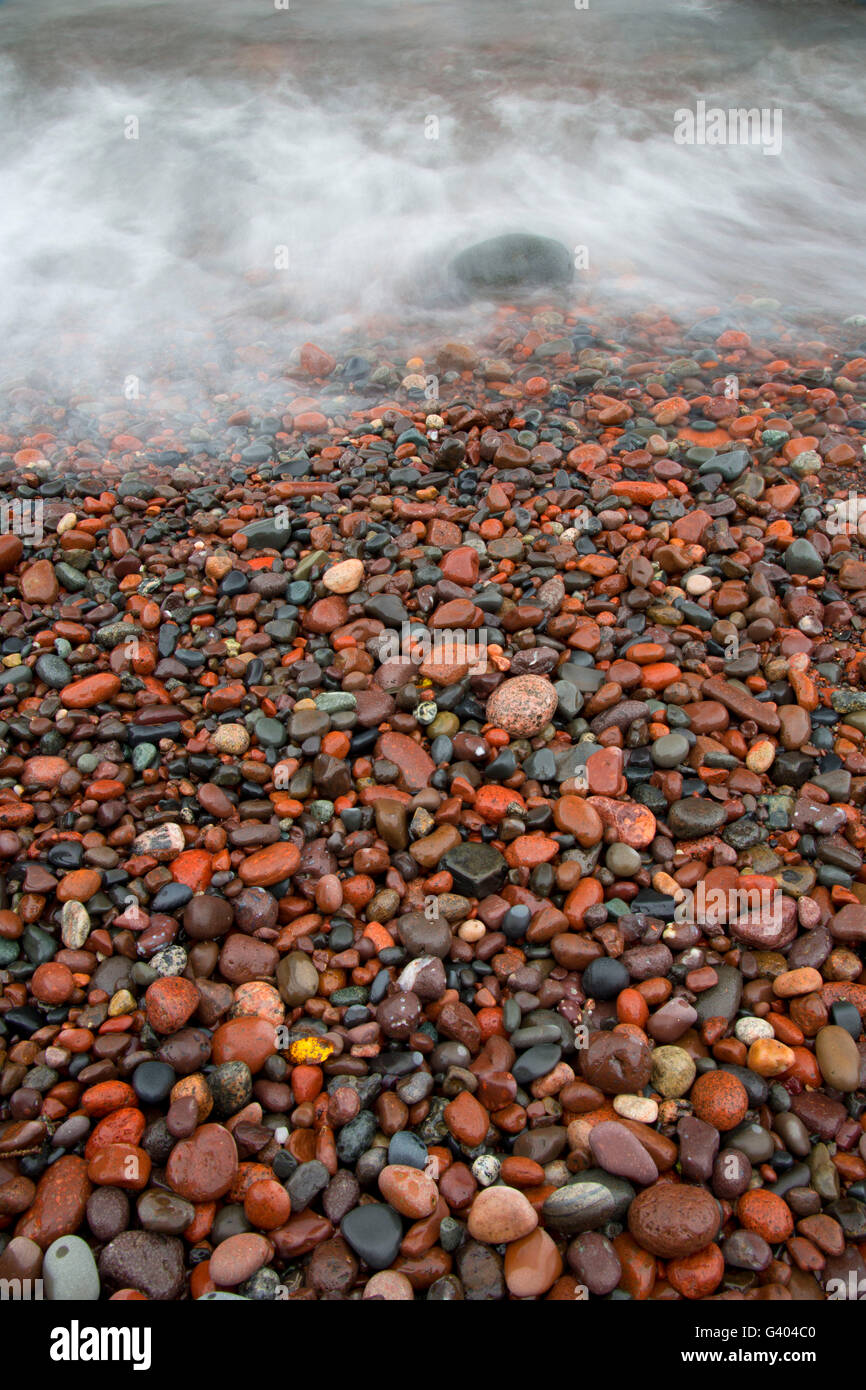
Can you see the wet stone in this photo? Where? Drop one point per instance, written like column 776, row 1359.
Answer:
column 374, row 1232
column 588, row 1203
column 69, row 1271
column 477, row 869
column 144, row 1260
column 337, row 963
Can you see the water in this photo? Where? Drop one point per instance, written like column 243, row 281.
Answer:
column 283, row 183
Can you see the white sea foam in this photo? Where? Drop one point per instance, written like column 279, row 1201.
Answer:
column 302, row 134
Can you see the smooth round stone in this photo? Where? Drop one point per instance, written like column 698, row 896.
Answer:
column 171, row 960
column 107, row 1212
column 851, row 1215
column 53, row 671
column 231, row 738
column 229, row 1221
column 306, row 1183
column 673, row 1220
column 445, row 725
column 231, row 1086
column 345, row 577
column 164, row 1212
column 594, row 1260
column 522, row 705
column 71, row 1132
column 801, row 557
column 618, row 1151
column 451, row 1234
column 477, row 869
column 695, row 816
column 794, row 1134
column 334, row 702
column 768, row 1057
column 542, row 1145
column 203, row 1168
column 673, row 1071
column 169, row 899
column 516, row 920
column 500, row 1215
column 270, row 733
column 698, row 584
column 511, row 1016
column 723, row 1000
column 208, row 916
column 147, row 1261
column 355, row 1139
column 297, row 978
column 69, row 1271
column 389, row 1285
column 236, row 1259
column 731, row 1173
column 574, row 816
column 616, row 1062
column 641, row 1108
column 755, row 1086
column 761, row 756
column 409, row 1191
column 622, row 860
column 604, row 978
column 535, row 1035
column 749, row 1030
column 670, row 750
column 441, row 749
column 536, row 1062
column 532, row 1265
column 752, row 1140
column 144, row 755
column 593, row 1200
column 838, row 1057
column 407, row 1150
column 374, row 1232
column 486, row 1169
column 747, row 1250
column 75, row 925
column 263, row 1286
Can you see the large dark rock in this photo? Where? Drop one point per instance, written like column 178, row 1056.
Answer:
column 477, row 869
column 147, row 1261
column 514, row 261
column 374, row 1232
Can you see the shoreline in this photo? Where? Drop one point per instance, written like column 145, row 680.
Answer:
column 227, row 809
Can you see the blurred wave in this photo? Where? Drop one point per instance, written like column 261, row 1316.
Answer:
column 284, row 179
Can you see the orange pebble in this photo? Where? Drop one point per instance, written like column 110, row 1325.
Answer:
column 267, row 1204
column 306, row 1082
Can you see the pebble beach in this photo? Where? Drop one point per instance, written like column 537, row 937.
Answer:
column 432, row 770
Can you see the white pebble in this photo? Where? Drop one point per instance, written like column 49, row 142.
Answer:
column 641, row 1108
column 748, row 1030
column 485, row 1170
column 699, row 584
